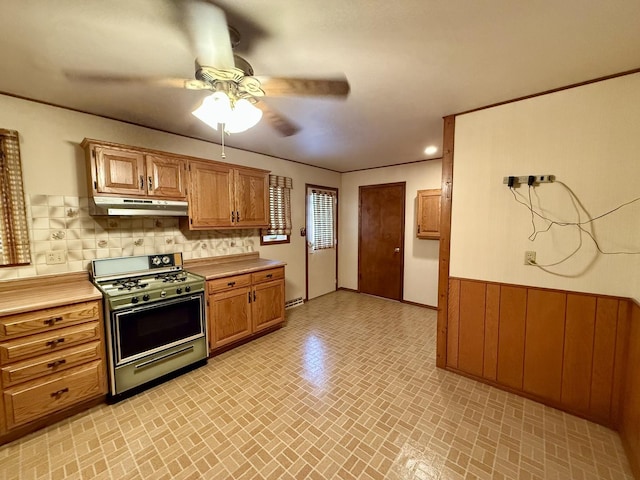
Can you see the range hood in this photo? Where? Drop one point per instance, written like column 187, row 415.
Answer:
column 120, row 206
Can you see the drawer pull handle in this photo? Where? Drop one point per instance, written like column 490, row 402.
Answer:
column 52, row 321
column 231, row 284
column 53, row 343
column 55, row 363
column 270, row 275
column 254, row 295
column 59, row 393
column 249, row 295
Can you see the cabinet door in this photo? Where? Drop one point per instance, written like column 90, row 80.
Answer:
column 166, row 177
column 428, row 214
column 119, row 171
column 268, row 304
column 229, row 316
column 251, row 198
column 210, row 196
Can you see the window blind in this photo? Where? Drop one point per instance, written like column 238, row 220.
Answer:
column 279, row 206
column 322, row 204
column 14, row 235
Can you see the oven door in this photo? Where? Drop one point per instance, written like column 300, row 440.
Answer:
column 141, row 331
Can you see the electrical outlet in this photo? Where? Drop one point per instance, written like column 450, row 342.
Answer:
column 524, row 179
column 529, row 257
column 55, row 257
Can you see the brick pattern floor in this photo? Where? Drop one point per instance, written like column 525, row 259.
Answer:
column 348, row 389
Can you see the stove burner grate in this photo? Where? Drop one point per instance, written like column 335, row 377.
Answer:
column 129, row 284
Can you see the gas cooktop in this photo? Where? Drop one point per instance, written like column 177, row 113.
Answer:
column 128, row 281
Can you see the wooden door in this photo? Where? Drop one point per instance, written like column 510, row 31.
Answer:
column 251, row 198
column 119, row 171
column 428, row 214
column 166, row 177
column 229, row 316
column 267, row 308
column 381, row 240
column 211, row 195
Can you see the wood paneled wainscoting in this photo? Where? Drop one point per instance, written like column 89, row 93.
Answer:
column 574, row 351
column 563, row 349
column 629, row 425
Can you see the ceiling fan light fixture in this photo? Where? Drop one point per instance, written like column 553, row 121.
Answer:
column 243, row 116
column 216, row 108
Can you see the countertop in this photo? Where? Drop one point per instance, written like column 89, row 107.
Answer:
column 213, row 268
column 24, row 295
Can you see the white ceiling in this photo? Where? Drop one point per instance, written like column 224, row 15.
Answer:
column 409, row 63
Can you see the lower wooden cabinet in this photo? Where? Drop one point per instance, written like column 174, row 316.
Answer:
column 241, row 306
column 51, row 360
column 31, row 400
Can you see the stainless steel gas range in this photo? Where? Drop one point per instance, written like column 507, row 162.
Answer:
column 154, row 318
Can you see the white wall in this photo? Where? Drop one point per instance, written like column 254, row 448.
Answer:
column 53, row 165
column 421, row 256
column 589, row 138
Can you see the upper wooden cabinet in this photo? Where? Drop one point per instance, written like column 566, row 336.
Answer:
column 225, row 196
column 428, row 214
column 119, row 170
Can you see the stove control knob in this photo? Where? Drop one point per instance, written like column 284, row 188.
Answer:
column 187, row 288
column 165, row 259
column 163, row 293
column 156, row 260
column 134, row 299
column 178, row 291
column 145, row 297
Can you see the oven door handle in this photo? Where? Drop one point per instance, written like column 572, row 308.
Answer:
column 165, row 356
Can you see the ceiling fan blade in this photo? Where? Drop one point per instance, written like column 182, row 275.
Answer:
column 281, row 86
column 209, row 33
column 188, row 83
column 279, row 122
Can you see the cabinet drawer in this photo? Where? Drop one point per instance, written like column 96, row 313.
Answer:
column 48, row 319
column 47, row 342
column 226, row 283
column 45, row 364
column 266, row 275
column 31, row 400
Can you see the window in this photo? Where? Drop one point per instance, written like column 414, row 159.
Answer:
column 322, row 219
column 279, row 230
column 14, row 236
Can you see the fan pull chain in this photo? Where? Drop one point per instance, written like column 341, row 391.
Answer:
column 223, row 156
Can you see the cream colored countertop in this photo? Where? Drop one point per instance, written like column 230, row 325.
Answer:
column 216, row 269
column 24, row 295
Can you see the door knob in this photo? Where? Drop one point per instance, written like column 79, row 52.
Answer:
column 396, row 250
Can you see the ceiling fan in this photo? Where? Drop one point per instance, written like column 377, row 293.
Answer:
column 229, row 76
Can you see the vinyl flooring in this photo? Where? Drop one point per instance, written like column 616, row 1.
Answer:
column 348, row 389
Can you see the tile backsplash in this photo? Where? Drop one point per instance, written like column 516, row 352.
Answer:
column 63, row 223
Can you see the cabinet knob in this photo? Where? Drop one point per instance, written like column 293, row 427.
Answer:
column 52, row 321
column 60, row 392
column 56, row 363
column 396, row 250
